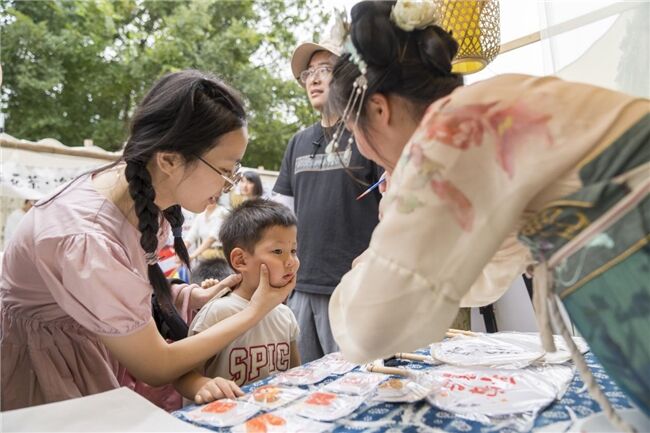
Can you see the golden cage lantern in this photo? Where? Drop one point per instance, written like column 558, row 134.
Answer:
column 475, row 25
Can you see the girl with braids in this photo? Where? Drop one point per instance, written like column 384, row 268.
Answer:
column 78, row 277
column 485, row 181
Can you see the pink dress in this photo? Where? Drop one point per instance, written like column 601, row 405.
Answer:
column 73, row 271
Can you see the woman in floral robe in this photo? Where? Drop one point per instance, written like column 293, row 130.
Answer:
column 487, row 181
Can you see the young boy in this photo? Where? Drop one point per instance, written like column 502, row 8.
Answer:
column 257, row 231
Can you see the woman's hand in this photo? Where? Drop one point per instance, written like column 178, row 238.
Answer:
column 202, row 294
column 360, row 258
column 209, row 282
column 217, row 388
column 383, row 187
column 267, row 297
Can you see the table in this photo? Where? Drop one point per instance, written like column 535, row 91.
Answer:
column 119, row 409
column 421, row 416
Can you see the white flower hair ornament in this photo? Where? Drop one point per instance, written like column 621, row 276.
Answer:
column 409, row 15
column 341, row 28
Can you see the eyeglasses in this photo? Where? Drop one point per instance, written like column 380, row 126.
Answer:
column 317, row 73
column 231, row 179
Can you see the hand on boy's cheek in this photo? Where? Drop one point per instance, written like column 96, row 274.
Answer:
column 274, row 281
column 277, row 280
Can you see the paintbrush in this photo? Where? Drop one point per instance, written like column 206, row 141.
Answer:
column 372, row 187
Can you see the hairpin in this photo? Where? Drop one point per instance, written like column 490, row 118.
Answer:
column 355, row 101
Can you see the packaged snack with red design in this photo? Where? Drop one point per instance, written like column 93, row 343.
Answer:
column 357, row 383
column 327, row 406
column 222, row 413
column 273, row 396
column 281, row 421
column 401, row 389
column 306, row 375
column 335, row 363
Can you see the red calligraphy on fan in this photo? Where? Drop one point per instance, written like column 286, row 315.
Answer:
column 489, row 386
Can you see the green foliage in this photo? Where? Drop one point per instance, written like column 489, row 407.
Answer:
column 76, row 69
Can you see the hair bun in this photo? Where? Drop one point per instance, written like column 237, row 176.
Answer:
column 373, row 34
column 437, row 49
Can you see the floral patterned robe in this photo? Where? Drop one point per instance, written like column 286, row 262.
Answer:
column 484, row 162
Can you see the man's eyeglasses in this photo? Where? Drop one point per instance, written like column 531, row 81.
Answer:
column 318, row 73
column 231, row 179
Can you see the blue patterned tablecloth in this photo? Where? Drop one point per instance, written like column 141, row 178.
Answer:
column 422, row 417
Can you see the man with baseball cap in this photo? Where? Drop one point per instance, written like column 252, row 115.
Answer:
column 321, row 182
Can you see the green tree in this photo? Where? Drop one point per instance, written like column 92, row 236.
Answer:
column 76, row 69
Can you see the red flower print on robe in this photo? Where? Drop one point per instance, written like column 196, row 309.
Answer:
column 461, row 127
column 457, row 202
column 514, row 126
column 426, row 167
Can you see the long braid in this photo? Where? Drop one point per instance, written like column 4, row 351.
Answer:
column 143, row 195
column 174, row 215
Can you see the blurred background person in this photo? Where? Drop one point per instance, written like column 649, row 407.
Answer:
column 203, row 238
column 250, row 187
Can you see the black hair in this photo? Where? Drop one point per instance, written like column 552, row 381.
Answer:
column 414, row 65
column 253, row 177
column 211, row 268
column 245, row 225
column 184, row 112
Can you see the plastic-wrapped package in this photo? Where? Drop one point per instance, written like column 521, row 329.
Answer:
column 281, row 421
column 357, row 383
column 223, row 413
column 306, row 375
column 559, row 376
column 504, row 398
column 327, row 406
column 562, row 354
column 335, row 363
column 487, row 391
column 273, row 396
column 404, row 390
column 507, row 351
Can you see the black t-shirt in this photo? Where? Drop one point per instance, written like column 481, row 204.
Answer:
column 333, row 227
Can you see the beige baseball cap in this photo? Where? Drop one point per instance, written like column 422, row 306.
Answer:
column 302, row 55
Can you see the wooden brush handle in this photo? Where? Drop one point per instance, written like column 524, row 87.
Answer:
column 412, row 356
column 387, row 370
column 462, row 332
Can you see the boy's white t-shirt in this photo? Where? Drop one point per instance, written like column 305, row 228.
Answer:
column 261, row 351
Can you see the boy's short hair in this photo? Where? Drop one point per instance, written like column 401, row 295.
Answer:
column 211, row 268
column 244, row 226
